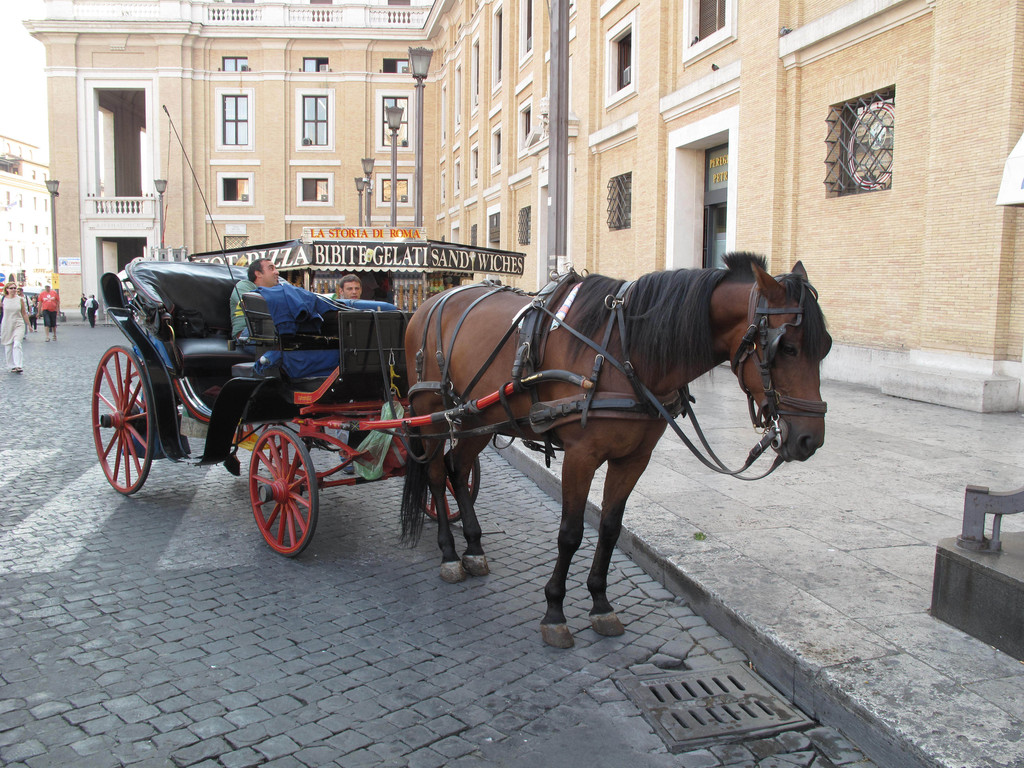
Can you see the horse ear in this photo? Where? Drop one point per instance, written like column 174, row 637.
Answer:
column 769, row 287
column 798, row 269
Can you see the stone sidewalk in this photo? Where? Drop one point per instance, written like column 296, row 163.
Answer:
column 822, row 572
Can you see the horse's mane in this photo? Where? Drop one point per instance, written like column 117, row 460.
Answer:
column 668, row 317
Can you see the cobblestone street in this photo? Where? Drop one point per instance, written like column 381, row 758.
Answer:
column 159, row 630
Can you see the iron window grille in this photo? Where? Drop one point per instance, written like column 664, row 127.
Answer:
column 524, row 225
column 620, row 201
column 236, row 241
column 859, row 145
column 494, row 228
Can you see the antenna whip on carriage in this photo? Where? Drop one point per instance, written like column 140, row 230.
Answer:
column 199, row 186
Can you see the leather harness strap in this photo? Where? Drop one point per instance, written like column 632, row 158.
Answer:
column 760, row 341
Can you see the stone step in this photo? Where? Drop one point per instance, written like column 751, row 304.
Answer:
column 971, row 391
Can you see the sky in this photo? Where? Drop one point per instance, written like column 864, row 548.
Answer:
column 23, row 84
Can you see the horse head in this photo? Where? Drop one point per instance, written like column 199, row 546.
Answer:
column 778, row 358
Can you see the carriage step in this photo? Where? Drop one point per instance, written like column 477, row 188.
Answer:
column 696, row 708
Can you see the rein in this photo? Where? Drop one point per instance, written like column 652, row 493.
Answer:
column 760, row 342
column 615, row 304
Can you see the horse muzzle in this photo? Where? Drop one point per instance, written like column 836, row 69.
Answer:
column 794, row 443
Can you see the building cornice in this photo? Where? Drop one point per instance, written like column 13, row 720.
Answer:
column 708, row 89
column 846, row 26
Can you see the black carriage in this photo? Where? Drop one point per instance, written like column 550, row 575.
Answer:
column 181, row 380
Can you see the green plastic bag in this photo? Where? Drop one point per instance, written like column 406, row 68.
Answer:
column 374, row 449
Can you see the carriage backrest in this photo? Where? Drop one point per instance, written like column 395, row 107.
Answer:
column 194, row 295
column 367, row 339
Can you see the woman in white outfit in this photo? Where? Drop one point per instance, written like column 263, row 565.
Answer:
column 12, row 330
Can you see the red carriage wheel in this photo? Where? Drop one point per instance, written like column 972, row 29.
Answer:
column 284, row 490
column 449, row 497
column 123, row 427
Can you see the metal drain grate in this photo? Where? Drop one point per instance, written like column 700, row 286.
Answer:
column 690, row 710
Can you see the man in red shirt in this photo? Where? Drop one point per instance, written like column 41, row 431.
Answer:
column 49, row 303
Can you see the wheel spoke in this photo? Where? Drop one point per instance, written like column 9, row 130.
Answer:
column 102, row 399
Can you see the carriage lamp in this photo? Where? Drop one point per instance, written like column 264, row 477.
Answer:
column 161, row 187
column 368, row 177
column 51, row 187
column 419, row 63
column 394, row 117
column 360, row 186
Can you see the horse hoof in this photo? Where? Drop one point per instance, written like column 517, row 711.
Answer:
column 476, row 565
column 607, row 624
column 556, row 635
column 453, row 572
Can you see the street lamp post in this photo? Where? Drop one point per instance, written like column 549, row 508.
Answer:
column 161, row 187
column 368, row 175
column 394, row 117
column 360, row 186
column 51, row 186
column 419, row 63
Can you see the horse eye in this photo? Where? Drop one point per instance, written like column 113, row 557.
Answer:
column 790, row 350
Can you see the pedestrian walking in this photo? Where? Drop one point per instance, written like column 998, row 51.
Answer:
column 83, row 306
column 33, row 314
column 12, row 328
column 91, row 306
column 49, row 303
column 21, row 295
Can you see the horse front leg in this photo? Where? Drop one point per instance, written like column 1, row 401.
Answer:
column 622, row 477
column 460, row 462
column 451, row 564
column 577, row 476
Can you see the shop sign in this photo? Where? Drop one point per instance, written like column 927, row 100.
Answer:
column 382, row 255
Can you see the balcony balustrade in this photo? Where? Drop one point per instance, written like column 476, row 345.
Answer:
column 375, row 14
column 121, row 207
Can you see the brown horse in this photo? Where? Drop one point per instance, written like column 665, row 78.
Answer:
column 599, row 382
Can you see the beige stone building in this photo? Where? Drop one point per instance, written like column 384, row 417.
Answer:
column 26, row 251
column 866, row 138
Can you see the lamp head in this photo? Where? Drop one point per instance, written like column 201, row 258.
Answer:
column 394, row 117
column 360, row 184
column 419, row 62
column 161, row 185
column 367, row 166
column 51, row 186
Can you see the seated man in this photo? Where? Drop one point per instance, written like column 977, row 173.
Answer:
column 298, row 311
column 262, row 273
column 351, row 287
column 351, row 290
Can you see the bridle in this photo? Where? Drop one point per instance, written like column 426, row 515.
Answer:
column 761, row 342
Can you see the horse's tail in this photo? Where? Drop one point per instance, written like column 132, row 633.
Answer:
column 414, row 496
